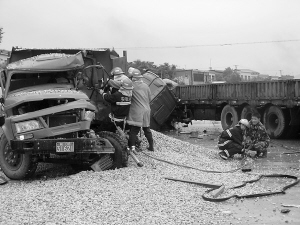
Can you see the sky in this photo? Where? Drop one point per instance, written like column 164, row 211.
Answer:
column 261, row 35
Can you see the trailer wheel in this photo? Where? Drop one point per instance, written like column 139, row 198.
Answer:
column 229, row 117
column 247, row 112
column 275, row 122
column 15, row 166
column 120, row 157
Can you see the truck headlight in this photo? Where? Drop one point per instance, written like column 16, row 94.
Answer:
column 28, row 125
column 89, row 116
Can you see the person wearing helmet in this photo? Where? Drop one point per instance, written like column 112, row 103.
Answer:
column 120, row 100
column 257, row 138
column 139, row 113
column 118, row 76
column 130, row 72
column 231, row 140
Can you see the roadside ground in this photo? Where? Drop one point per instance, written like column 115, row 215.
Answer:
column 262, row 210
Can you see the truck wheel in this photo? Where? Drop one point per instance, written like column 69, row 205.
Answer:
column 247, row 112
column 120, row 157
column 229, row 117
column 15, row 166
column 275, row 122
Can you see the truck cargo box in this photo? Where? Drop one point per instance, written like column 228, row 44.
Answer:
column 277, row 102
column 163, row 101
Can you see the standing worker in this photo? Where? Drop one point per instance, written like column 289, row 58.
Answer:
column 257, row 138
column 139, row 112
column 231, row 140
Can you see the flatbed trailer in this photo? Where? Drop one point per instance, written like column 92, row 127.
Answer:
column 278, row 102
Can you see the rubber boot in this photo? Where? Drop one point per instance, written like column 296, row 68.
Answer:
column 151, row 147
column 149, row 137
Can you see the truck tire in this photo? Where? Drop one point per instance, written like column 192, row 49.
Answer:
column 15, row 166
column 275, row 122
column 247, row 112
column 229, row 117
column 120, row 157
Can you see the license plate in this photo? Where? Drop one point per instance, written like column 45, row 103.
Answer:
column 64, row 146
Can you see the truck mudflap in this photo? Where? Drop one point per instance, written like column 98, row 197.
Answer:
column 62, row 146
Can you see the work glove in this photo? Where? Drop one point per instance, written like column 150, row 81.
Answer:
column 101, row 91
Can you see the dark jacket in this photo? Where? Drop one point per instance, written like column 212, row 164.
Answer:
column 234, row 134
column 120, row 104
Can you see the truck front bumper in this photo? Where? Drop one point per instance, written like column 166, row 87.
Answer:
column 59, row 146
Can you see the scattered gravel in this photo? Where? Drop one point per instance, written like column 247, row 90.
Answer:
column 131, row 195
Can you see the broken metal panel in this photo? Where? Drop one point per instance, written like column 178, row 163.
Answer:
column 48, row 62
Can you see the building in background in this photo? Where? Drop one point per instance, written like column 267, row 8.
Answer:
column 262, row 77
column 286, row 77
column 215, row 74
column 274, row 77
column 247, row 75
column 193, row 77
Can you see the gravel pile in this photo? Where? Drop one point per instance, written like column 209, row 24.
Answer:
column 131, row 195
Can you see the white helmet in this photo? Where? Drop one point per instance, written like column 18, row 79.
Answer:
column 244, row 122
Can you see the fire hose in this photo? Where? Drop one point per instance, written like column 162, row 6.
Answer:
column 190, row 167
column 282, row 191
column 219, row 189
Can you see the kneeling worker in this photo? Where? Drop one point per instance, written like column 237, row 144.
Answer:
column 231, row 140
column 259, row 139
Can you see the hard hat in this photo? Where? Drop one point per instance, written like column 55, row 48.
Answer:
column 130, row 70
column 114, row 84
column 116, row 71
column 136, row 74
column 244, row 122
column 126, row 84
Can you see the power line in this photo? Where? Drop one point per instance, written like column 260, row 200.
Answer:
column 208, row 45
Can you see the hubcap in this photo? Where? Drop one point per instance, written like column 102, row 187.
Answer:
column 229, row 119
column 13, row 159
column 273, row 122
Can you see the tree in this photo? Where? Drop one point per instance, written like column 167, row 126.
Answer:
column 219, row 77
column 141, row 65
column 164, row 70
column 1, row 34
column 231, row 76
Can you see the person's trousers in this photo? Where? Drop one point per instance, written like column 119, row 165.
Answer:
column 134, row 130
column 260, row 148
column 229, row 147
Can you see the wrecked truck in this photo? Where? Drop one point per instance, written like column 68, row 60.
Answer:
column 53, row 112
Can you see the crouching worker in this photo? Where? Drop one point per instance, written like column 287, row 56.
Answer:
column 257, row 138
column 231, row 140
column 120, row 101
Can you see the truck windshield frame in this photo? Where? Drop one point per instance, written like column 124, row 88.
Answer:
column 26, row 79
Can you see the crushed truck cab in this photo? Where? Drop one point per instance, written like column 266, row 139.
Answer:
column 52, row 111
